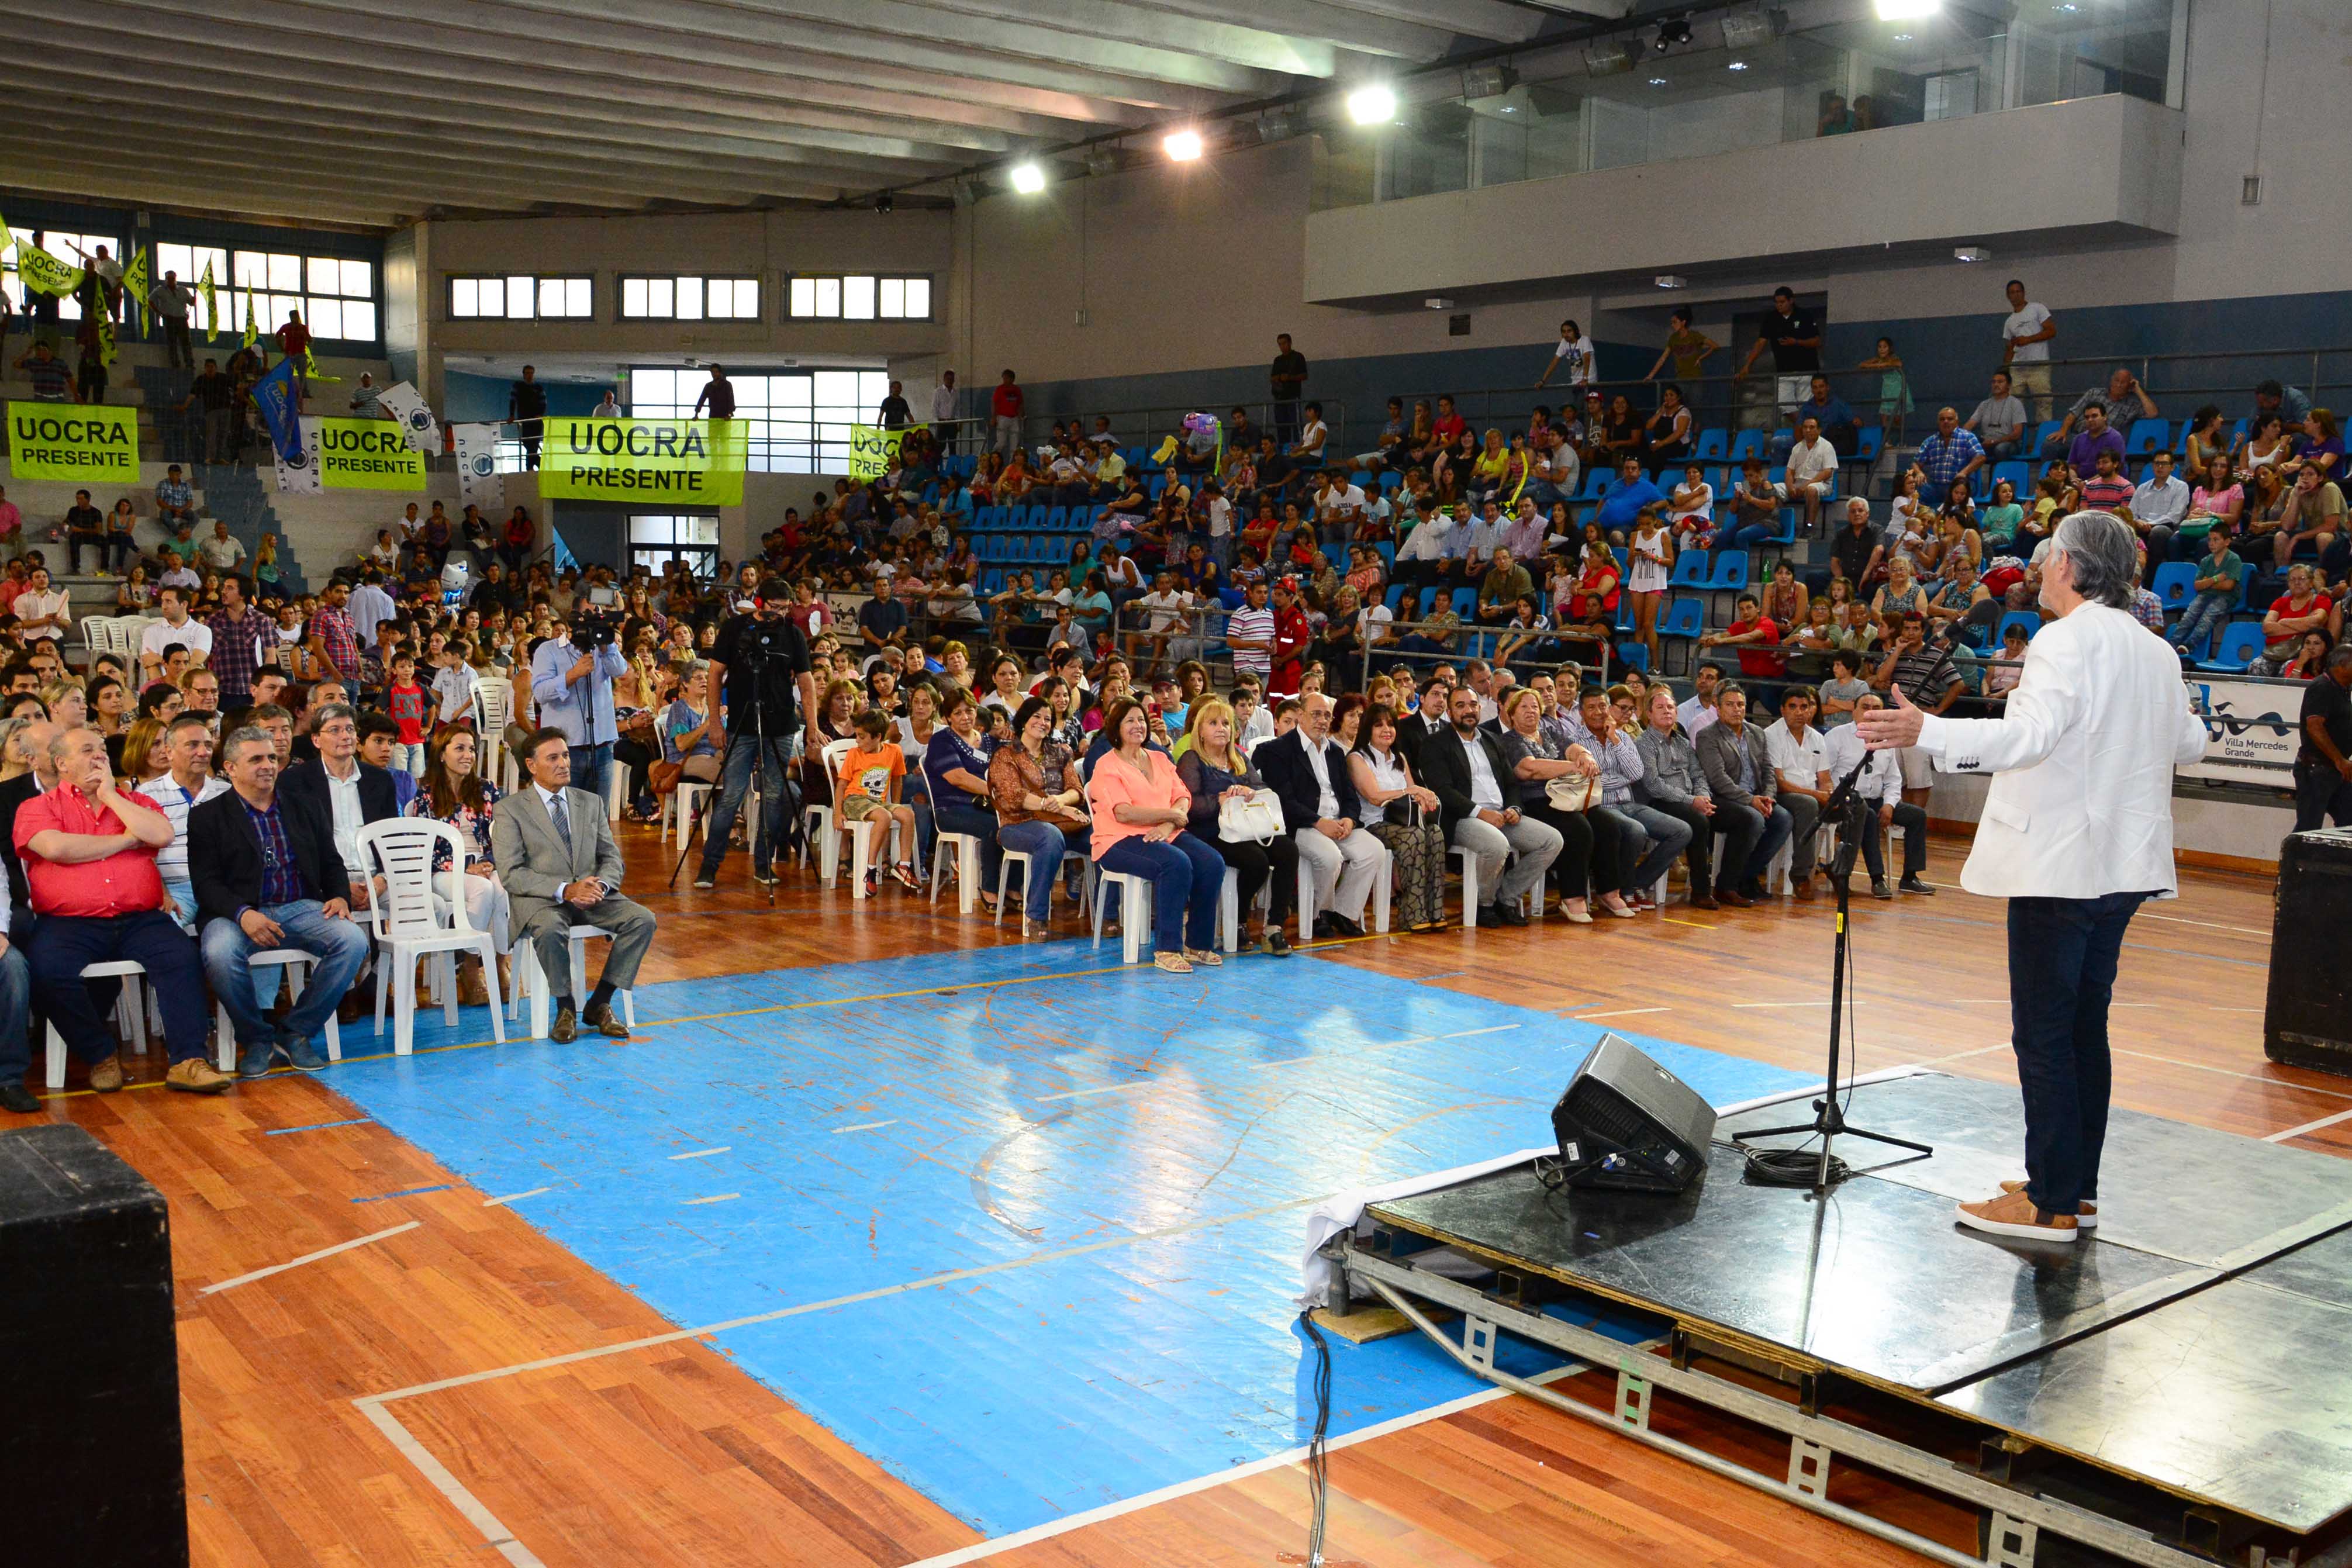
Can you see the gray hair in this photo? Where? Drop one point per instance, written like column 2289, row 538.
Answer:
column 251, row 735
column 2104, row 556
column 331, row 712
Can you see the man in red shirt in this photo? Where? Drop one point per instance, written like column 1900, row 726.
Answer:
column 1449, row 424
column 90, row 856
column 1005, row 405
column 1291, row 635
column 294, row 342
column 1752, row 634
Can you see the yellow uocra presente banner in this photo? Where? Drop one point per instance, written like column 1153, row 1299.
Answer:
column 698, row 462
column 89, row 444
column 367, row 455
column 873, row 451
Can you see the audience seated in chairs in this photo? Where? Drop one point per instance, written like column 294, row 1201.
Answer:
column 1482, row 804
column 1036, row 816
column 454, row 793
column 267, row 875
column 182, row 779
column 1214, row 769
column 555, row 854
column 1405, row 815
column 1673, row 784
column 1140, row 809
column 1882, row 785
column 89, row 855
column 1309, row 770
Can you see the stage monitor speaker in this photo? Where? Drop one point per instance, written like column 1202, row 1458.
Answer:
column 91, row 1444
column 2307, row 1022
column 1627, row 1124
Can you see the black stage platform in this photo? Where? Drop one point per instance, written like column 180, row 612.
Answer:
column 2175, row 1389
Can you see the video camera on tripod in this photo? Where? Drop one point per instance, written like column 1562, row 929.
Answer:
column 596, row 619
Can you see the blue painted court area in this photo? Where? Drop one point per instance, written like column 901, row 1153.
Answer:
column 1125, row 1158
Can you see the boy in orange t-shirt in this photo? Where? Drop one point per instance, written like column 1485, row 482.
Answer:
column 871, row 776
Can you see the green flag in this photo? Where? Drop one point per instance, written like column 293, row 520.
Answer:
column 44, row 272
column 105, row 339
column 252, row 332
column 212, row 302
column 135, row 285
column 311, row 367
column 6, row 239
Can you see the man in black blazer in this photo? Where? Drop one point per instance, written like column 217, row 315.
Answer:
column 1478, row 799
column 1309, row 770
column 265, row 872
column 348, row 791
column 39, row 779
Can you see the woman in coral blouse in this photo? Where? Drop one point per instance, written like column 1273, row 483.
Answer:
column 1139, row 806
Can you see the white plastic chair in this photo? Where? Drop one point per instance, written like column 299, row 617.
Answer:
column 1135, row 908
column 530, row 981
column 685, row 808
column 617, row 789
column 296, row 962
column 408, row 924
column 1229, row 908
column 966, row 869
column 494, row 702
column 129, row 1012
column 1379, row 909
column 865, row 835
column 1028, row 869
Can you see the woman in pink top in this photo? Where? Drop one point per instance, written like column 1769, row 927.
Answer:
column 1140, row 807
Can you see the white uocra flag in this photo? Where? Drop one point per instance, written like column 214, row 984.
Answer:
column 477, row 481
column 417, row 426
column 300, row 474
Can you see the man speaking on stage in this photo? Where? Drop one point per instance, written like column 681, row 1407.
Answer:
column 2076, row 832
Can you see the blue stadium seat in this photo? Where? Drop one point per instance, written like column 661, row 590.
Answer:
column 2239, row 643
column 1871, row 443
column 1691, row 568
column 1054, row 521
column 1387, row 553
column 2148, row 436
column 2176, row 584
column 1746, row 444
column 1428, row 603
column 1683, row 618
column 1634, row 655
column 1465, row 603
column 1390, row 482
column 2026, row 618
column 2043, row 432
column 1730, row 570
column 1395, row 598
column 1593, row 479
column 2018, row 473
column 1712, row 444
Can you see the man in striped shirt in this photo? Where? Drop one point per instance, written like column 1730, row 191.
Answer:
column 1249, row 631
column 187, row 780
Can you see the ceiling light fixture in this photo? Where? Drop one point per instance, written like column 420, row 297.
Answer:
column 1183, row 146
column 1028, row 179
column 1674, row 33
column 1971, row 252
column 1737, row 66
column 1490, row 81
column 1657, row 81
column 1373, row 105
column 1672, row 280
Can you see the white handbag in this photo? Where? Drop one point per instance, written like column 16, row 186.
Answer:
column 1253, row 818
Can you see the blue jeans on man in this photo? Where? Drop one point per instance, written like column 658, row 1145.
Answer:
column 773, row 759
column 1043, row 843
column 16, row 1011
column 340, row 949
column 61, row 946
column 2061, row 975
column 589, row 764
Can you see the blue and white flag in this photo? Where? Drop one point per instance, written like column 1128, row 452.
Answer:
column 408, row 410
column 477, row 476
column 281, row 411
column 301, row 473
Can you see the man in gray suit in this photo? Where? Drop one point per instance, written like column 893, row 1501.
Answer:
column 1733, row 755
column 556, row 855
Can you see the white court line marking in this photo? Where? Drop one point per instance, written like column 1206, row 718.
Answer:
column 1287, row 1459
column 1821, row 1003
column 2234, row 1072
column 1284, row 1062
column 2208, row 925
column 714, row 1198
column 307, row 1258
column 703, row 1153
column 1102, row 1088
column 1466, row 1033
column 2210, row 1009
column 514, row 1197
column 1620, row 1013
column 867, row 1126
column 465, row 1501
column 2308, row 1127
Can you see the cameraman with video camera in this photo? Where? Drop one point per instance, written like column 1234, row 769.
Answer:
column 764, row 695
column 572, row 680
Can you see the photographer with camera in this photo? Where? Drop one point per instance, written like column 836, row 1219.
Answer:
column 766, row 701
column 572, row 680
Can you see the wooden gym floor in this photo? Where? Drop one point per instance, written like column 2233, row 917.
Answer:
column 665, row 1452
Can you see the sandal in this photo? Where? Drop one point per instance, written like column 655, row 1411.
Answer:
column 1205, row 956
column 904, row 876
column 1172, row 962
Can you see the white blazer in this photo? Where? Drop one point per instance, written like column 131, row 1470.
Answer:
column 2083, row 757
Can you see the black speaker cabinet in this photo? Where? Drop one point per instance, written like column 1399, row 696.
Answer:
column 2308, row 1021
column 1627, row 1123
column 90, row 1375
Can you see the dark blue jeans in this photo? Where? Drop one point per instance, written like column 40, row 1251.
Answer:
column 1043, row 843
column 61, row 945
column 773, row 831
column 980, row 825
column 2061, row 975
column 16, row 1004
column 588, row 766
column 1187, row 880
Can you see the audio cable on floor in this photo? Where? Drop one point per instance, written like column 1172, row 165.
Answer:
column 1317, row 1472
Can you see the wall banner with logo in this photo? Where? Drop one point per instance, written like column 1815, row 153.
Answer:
column 693, row 462
column 89, row 442
column 367, row 455
column 2252, row 731
column 873, row 452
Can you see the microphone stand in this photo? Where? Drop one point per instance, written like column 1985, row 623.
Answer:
column 1829, row 1118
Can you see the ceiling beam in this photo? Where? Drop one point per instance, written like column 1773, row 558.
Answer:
column 107, row 181
column 1498, row 21
column 391, row 140
column 242, row 82
column 446, row 177
column 380, row 51
column 1314, row 31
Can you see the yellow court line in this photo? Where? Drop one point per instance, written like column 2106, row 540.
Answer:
column 1700, row 925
